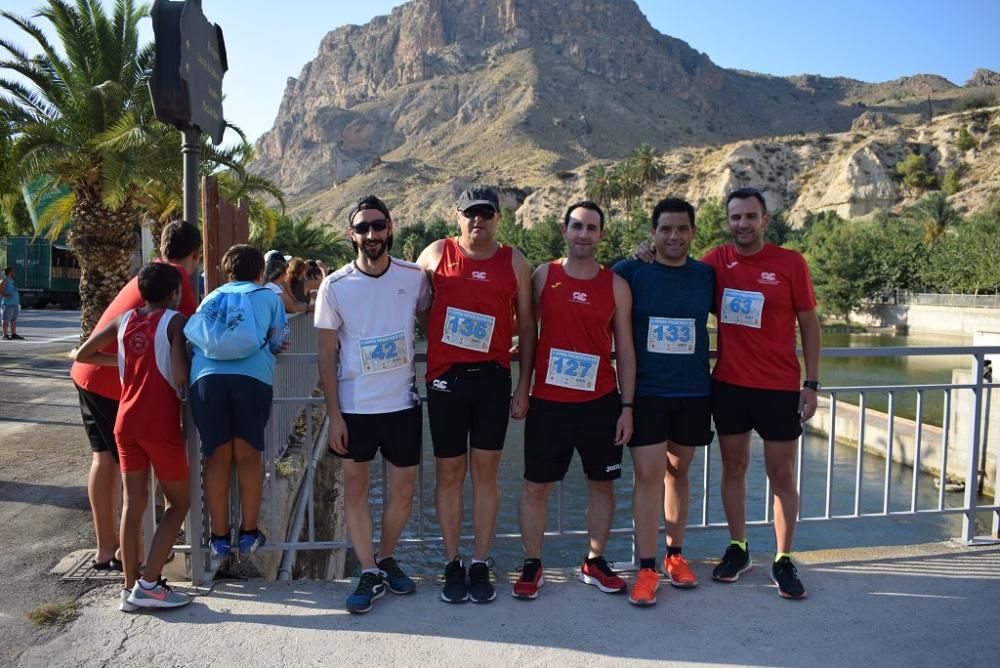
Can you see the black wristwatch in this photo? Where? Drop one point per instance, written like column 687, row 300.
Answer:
column 811, row 384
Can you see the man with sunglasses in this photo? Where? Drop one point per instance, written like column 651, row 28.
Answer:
column 575, row 403
column 367, row 309
column 479, row 285
column 762, row 290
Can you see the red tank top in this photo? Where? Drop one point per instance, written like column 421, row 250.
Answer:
column 149, row 407
column 573, row 357
column 472, row 316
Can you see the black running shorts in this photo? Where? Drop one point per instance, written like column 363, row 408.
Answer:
column 681, row 420
column 469, row 406
column 398, row 435
column 99, row 414
column 774, row 414
column 554, row 429
column 228, row 406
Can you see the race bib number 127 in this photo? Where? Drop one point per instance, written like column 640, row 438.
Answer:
column 576, row 371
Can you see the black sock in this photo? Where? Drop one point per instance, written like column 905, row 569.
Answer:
column 671, row 551
column 594, row 560
column 254, row 533
column 648, row 563
column 224, row 536
column 528, row 562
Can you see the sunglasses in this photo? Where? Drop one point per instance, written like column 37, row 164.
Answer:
column 484, row 212
column 377, row 225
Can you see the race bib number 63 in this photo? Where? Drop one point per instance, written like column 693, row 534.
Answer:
column 741, row 307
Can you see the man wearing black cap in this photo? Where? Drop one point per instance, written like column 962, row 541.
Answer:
column 479, row 286
column 365, row 315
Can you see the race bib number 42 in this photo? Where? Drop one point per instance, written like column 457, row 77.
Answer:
column 576, row 371
column 468, row 329
column 672, row 336
column 383, row 353
column 740, row 307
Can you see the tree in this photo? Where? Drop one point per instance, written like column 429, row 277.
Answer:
column 628, row 182
column 935, row 213
column 964, row 141
column 952, row 183
column 913, row 171
column 13, row 213
column 300, row 237
column 509, row 231
column 711, row 229
column 650, row 168
column 600, row 187
column 81, row 121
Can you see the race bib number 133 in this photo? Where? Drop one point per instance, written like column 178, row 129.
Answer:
column 673, row 336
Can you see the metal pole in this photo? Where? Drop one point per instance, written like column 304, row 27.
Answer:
column 191, row 152
column 972, row 464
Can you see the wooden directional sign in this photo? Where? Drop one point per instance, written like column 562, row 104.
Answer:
column 186, row 85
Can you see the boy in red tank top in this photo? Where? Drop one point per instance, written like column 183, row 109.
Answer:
column 478, row 287
column 153, row 366
column 575, row 404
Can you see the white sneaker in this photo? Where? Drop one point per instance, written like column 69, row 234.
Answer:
column 160, row 596
column 124, row 604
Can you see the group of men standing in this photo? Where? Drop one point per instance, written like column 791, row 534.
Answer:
column 473, row 295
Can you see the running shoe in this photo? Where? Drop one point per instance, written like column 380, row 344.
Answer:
column 219, row 549
column 371, row 587
column 398, row 581
column 531, row 579
column 735, row 562
column 16, row 337
column 597, row 572
column 250, row 542
column 679, row 572
column 160, row 596
column 643, row 592
column 455, row 588
column 123, row 603
column 480, row 588
column 786, row 576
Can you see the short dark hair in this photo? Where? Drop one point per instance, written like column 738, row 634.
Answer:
column 243, row 262
column 274, row 267
column 179, row 239
column 584, row 204
column 672, row 205
column 157, row 281
column 8, row 271
column 366, row 203
column 746, row 193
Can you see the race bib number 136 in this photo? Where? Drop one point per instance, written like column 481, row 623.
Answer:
column 468, row 329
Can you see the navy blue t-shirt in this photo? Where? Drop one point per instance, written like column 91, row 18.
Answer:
column 670, row 307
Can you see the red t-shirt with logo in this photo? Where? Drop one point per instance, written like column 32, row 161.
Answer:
column 757, row 299
column 472, row 315
column 103, row 380
column 576, row 323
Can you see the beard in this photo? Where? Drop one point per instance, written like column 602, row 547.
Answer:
column 374, row 251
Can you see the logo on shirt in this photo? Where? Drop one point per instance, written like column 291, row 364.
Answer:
column 768, row 278
column 441, row 385
column 401, row 291
column 138, row 343
column 479, row 276
column 730, row 265
column 580, row 298
column 555, row 285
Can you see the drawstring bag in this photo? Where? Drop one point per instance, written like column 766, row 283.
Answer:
column 224, row 327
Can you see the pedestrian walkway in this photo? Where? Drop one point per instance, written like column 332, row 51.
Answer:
column 931, row 604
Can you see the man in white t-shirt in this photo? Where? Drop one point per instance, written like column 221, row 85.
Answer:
column 368, row 307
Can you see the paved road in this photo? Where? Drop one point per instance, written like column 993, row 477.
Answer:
column 42, row 328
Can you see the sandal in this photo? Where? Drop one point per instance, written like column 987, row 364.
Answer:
column 111, row 564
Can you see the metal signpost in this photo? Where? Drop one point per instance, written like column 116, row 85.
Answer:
column 186, row 85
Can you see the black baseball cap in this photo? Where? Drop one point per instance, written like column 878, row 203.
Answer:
column 478, row 196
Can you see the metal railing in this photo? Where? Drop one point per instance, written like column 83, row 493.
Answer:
column 298, row 409
column 947, row 299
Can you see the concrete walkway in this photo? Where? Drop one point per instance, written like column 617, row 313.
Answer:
column 921, row 605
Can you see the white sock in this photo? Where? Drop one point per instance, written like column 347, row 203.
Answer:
column 478, row 561
column 373, row 571
column 146, row 585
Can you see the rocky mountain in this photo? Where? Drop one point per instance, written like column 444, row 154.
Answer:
column 415, row 105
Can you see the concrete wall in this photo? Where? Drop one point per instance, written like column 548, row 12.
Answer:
column 919, row 318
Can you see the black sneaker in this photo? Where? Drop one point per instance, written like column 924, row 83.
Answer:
column 16, row 337
column 371, row 587
column 398, row 581
column 480, row 589
column 785, row 575
column 455, row 589
column 735, row 562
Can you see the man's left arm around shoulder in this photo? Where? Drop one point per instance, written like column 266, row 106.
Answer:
column 809, row 330
column 527, row 335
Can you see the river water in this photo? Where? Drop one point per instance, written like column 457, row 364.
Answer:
column 710, row 543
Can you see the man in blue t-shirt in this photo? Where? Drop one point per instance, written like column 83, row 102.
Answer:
column 10, row 304
column 671, row 300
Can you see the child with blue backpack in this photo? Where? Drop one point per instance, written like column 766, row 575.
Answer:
column 235, row 335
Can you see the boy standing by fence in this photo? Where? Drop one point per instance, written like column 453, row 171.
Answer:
column 153, row 366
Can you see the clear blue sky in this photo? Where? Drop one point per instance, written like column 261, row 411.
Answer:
column 871, row 40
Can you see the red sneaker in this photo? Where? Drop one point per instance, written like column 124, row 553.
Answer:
column 599, row 574
column 527, row 585
column 679, row 572
column 643, row 593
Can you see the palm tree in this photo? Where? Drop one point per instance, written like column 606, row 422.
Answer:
column 302, row 238
column 81, row 121
column 629, row 184
column 936, row 214
column 600, row 186
column 650, row 168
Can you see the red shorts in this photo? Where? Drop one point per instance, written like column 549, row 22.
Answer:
column 168, row 458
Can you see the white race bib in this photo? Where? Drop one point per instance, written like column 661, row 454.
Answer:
column 672, row 336
column 468, row 329
column 576, row 371
column 383, row 353
column 741, row 307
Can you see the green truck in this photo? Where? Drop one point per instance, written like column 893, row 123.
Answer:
column 47, row 271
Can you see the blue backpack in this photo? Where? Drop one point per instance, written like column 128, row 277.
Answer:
column 224, row 326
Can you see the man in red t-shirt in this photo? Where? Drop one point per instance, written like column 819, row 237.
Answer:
column 99, row 390
column 762, row 290
column 575, row 404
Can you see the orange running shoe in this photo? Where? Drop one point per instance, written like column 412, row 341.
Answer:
column 643, row 592
column 679, row 572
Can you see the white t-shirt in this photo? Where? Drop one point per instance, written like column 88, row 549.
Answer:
column 374, row 319
column 273, row 287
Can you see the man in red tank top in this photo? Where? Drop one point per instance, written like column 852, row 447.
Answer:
column 478, row 287
column 575, row 404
